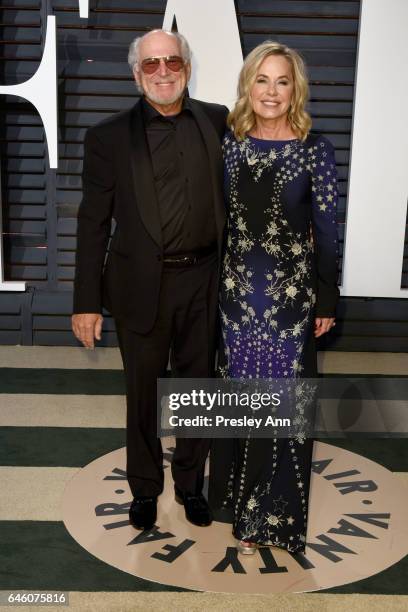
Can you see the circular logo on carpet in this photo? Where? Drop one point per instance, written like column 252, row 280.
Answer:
column 357, row 527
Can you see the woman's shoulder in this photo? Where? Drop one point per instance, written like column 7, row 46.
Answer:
column 319, row 141
column 320, row 148
column 229, row 137
column 230, row 145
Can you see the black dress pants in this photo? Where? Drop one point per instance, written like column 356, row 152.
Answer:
column 185, row 329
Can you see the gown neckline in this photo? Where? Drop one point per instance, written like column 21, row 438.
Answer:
column 266, row 140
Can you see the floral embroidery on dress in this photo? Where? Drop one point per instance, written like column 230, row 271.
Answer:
column 281, row 199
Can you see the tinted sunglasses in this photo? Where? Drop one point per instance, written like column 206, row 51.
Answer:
column 151, row 64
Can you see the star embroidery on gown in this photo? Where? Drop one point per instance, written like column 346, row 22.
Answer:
column 279, row 505
column 268, row 268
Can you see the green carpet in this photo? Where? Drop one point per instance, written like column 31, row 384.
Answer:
column 41, row 555
column 67, row 382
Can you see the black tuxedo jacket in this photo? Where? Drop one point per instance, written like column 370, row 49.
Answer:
column 118, row 183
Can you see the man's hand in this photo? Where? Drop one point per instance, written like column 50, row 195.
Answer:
column 87, row 327
column 323, row 325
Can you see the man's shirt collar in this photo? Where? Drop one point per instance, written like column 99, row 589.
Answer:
column 150, row 113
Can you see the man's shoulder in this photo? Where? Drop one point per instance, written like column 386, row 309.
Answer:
column 210, row 107
column 216, row 113
column 111, row 125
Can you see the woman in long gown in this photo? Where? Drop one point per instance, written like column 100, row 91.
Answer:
column 278, row 287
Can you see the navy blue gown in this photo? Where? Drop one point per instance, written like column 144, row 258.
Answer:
column 279, row 273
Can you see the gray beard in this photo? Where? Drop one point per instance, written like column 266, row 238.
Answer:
column 161, row 101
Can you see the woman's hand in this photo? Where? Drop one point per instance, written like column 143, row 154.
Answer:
column 323, row 325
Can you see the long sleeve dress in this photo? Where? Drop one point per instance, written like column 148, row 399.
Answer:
column 279, row 273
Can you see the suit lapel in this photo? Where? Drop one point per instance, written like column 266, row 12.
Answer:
column 213, row 146
column 142, row 175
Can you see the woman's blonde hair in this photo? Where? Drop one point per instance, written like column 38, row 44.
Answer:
column 242, row 118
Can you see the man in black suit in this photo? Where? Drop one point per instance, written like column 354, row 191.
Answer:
column 155, row 169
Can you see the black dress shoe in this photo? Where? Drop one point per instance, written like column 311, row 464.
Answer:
column 143, row 512
column 196, row 508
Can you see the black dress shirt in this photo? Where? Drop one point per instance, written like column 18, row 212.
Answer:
column 182, row 180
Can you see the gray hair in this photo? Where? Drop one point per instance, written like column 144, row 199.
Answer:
column 134, row 49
